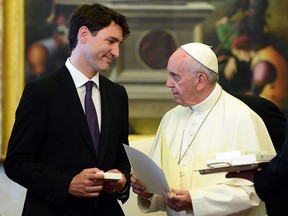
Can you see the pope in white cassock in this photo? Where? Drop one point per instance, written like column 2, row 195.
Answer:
column 207, row 120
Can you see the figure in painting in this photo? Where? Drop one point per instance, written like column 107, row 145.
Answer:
column 49, row 53
column 46, row 37
column 250, row 64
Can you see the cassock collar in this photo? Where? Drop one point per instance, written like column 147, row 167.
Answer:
column 209, row 101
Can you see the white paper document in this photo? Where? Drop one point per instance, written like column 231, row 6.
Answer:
column 147, row 171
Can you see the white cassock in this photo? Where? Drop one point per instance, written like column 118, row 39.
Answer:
column 194, row 135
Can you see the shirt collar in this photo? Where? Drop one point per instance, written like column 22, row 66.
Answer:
column 79, row 78
column 209, row 101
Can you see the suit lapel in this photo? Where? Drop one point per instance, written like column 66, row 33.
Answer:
column 70, row 96
column 106, row 118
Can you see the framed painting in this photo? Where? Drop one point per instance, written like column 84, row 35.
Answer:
column 243, row 34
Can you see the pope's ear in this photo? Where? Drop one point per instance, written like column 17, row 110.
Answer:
column 202, row 80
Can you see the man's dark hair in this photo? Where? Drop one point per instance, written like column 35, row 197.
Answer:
column 95, row 17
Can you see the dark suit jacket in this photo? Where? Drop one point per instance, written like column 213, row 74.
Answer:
column 51, row 143
column 271, row 183
column 272, row 116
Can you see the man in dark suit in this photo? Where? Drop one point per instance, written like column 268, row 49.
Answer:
column 271, row 182
column 51, row 150
column 272, row 116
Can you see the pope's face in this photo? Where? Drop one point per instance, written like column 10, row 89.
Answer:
column 181, row 81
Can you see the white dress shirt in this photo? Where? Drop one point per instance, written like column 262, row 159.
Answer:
column 79, row 80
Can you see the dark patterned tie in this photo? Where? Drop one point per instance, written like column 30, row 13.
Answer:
column 91, row 115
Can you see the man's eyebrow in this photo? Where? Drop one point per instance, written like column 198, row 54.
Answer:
column 114, row 38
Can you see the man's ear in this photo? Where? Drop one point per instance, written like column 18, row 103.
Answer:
column 202, row 80
column 83, row 34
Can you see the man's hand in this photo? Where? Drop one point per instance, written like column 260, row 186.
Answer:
column 114, row 186
column 248, row 174
column 178, row 200
column 138, row 188
column 87, row 184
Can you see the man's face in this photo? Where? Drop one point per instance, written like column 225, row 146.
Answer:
column 102, row 47
column 181, row 81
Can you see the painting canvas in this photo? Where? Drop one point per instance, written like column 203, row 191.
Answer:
column 46, row 25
